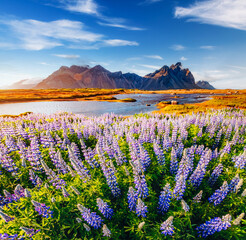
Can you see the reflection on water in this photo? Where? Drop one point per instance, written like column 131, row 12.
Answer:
column 97, row 108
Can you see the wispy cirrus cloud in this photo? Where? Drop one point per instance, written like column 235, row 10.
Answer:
column 208, row 47
column 66, row 56
column 226, row 13
column 118, row 25
column 150, row 66
column 37, row 35
column 148, row 2
column 157, row 57
column 92, row 8
column 177, row 47
column 119, row 43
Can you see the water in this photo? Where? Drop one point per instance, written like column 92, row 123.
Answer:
column 94, row 108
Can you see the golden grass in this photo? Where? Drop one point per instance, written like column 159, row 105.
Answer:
column 217, row 102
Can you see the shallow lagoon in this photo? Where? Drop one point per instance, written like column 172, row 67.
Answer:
column 95, row 108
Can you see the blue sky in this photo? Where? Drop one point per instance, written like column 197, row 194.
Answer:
column 207, row 36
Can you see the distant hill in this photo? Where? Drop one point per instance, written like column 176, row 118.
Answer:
column 25, row 84
column 204, row 85
column 173, row 77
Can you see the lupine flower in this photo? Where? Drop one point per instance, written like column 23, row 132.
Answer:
column 179, row 188
column 87, row 228
column 173, row 162
column 185, row 206
column 214, row 225
column 198, row 197
column 132, row 198
column 215, row 174
column 220, row 194
column 27, row 193
column 75, row 190
column 10, row 237
column 140, row 226
column 165, row 199
column 233, row 183
column 104, row 208
column 29, row 232
column 239, row 185
column 141, row 208
column 167, row 227
column 65, row 192
column 243, row 193
column 5, row 217
column 90, row 217
column 106, row 231
column 42, row 209
column 238, row 220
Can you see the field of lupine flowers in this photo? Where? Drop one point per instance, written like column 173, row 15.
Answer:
column 66, row 176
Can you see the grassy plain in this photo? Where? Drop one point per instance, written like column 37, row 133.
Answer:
column 226, row 98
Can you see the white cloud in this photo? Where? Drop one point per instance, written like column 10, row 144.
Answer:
column 67, row 56
column 118, row 25
column 38, row 35
column 82, row 6
column 150, row 66
column 208, row 47
column 92, row 8
column 183, row 58
column 226, row 13
column 119, row 42
column 157, row 57
column 177, row 47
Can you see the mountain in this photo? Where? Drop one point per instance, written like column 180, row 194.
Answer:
column 173, row 77
column 25, row 84
column 204, row 85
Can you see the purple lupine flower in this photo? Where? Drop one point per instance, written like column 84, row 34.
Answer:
column 5, row 217
column 165, row 199
column 29, row 232
column 10, row 237
column 198, row 197
column 90, row 217
column 106, row 231
column 53, row 177
column 19, row 191
column 240, row 160
column 233, row 183
column 33, row 177
column 141, row 208
column 65, row 192
column 173, row 162
column 214, row 225
column 179, row 188
column 109, row 173
column 167, row 227
column 159, row 153
column 132, row 198
column 220, row 194
column 215, row 174
column 42, row 209
column 104, row 208
column 27, row 193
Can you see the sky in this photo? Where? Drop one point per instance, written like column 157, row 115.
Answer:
column 140, row 36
